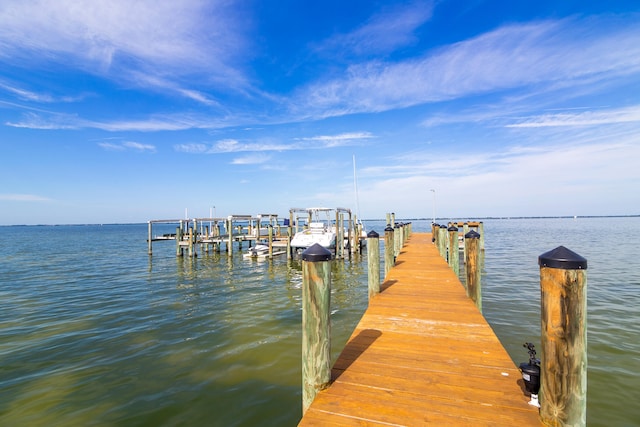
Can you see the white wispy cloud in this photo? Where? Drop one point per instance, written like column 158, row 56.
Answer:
column 170, row 122
column 349, row 138
column 24, row 198
column 382, row 33
column 586, row 157
column 137, row 146
column 197, row 96
column 193, row 148
column 425, row 164
column 528, row 180
column 235, row 146
column 152, row 124
column 48, row 121
column 127, row 146
column 230, row 146
column 587, row 118
column 121, row 39
column 534, row 55
column 28, row 95
column 255, row 159
column 164, row 85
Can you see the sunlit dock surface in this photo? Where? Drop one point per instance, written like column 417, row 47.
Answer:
column 421, row 354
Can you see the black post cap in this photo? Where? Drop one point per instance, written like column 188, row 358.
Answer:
column 562, row 258
column 472, row 235
column 373, row 235
column 388, row 228
column 452, row 228
column 315, row 253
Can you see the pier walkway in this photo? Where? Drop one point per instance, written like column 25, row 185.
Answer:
column 422, row 354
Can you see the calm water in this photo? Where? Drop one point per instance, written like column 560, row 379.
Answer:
column 93, row 332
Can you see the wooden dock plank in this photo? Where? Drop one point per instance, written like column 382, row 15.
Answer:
column 422, row 354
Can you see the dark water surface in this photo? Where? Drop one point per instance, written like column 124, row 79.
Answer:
column 94, row 332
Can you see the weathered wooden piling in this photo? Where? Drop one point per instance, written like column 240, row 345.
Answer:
column 563, row 373
column 150, row 238
column 230, row 237
column 191, row 238
column 339, row 236
column 289, row 237
column 465, row 230
column 442, row 240
column 350, row 237
column 454, row 249
column 396, row 241
column 389, row 255
column 481, row 248
column 373, row 258
column 472, row 268
column 179, row 239
column 316, row 324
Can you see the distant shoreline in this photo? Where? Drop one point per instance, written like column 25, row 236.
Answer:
column 364, row 220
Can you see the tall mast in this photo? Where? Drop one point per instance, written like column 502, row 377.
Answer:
column 355, row 187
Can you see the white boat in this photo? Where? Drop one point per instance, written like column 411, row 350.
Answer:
column 260, row 250
column 317, row 232
column 320, row 230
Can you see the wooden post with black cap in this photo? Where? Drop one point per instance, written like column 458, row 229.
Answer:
column 454, row 249
column 389, row 255
column 316, row 324
column 563, row 312
column 373, row 261
column 472, row 268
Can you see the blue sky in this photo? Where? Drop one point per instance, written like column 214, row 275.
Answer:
column 120, row 111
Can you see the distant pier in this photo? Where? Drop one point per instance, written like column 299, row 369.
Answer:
column 216, row 234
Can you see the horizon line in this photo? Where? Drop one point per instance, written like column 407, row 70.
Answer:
column 364, row 220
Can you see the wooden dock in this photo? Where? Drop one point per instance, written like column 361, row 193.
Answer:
column 422, row 354
column 212, row 233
